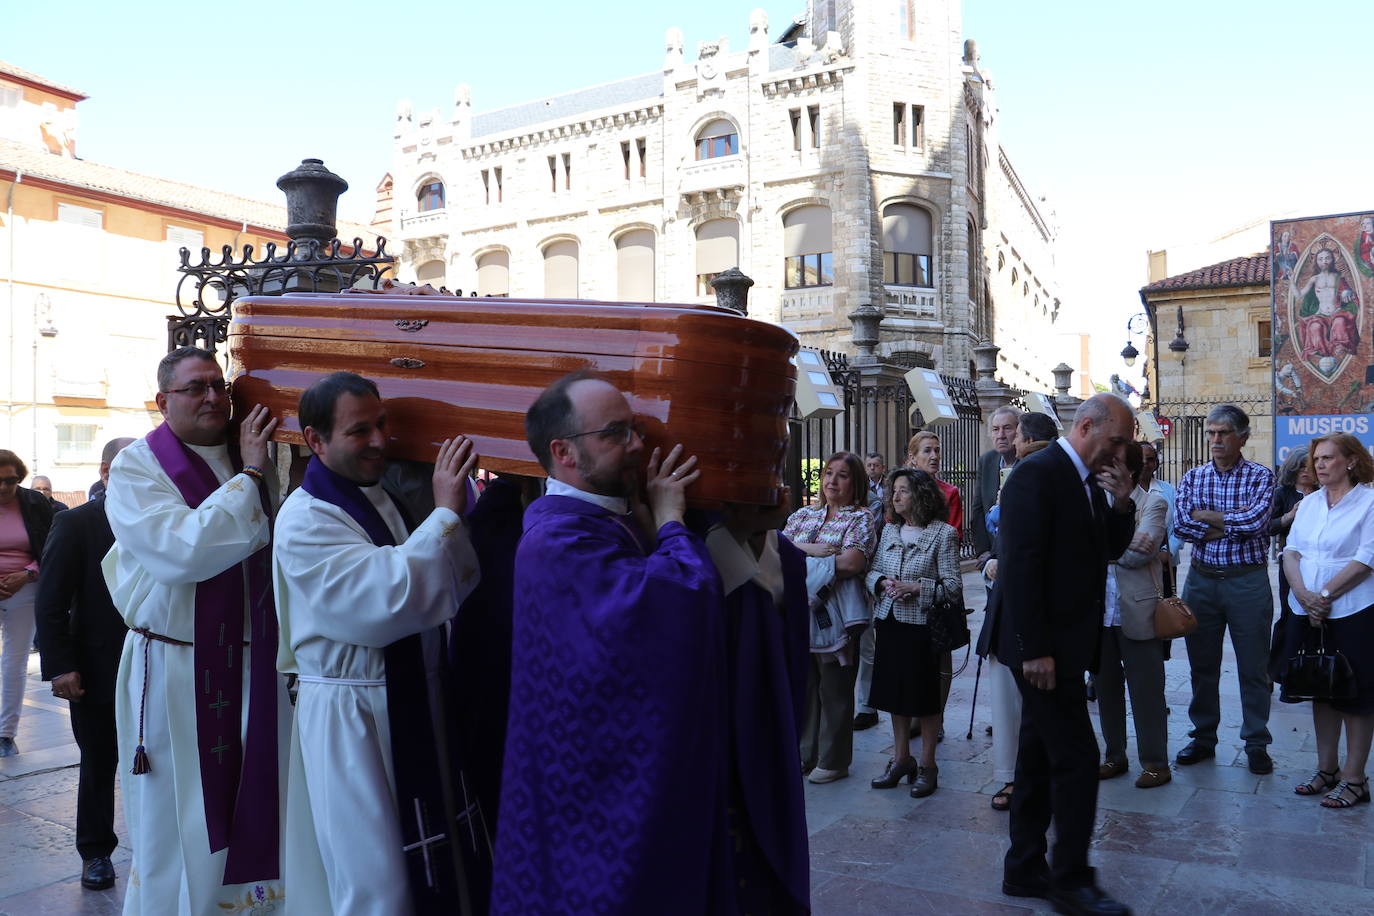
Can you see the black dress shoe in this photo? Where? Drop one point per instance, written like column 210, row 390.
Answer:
column 1193, row 753
column 1088, row 900
column 98, row 874
column 865, row 720
column 1032, row 887
column 1260, row 762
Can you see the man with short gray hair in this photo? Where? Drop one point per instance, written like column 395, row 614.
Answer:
column 1223, row 509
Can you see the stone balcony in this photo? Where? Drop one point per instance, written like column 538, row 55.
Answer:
column 911, row 302
column 706, row 177
column 809, row 303
column 434, row 222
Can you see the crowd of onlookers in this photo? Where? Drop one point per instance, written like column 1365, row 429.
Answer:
column 884, row 549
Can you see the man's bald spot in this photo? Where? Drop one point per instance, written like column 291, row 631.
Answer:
column 112, row 448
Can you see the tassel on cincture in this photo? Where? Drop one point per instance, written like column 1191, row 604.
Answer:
column 140, row 761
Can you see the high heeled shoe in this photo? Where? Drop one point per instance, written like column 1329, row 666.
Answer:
column 895, row 773
column 926, row 782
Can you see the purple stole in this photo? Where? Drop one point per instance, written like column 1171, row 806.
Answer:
column 426, row 826
column 238, row 783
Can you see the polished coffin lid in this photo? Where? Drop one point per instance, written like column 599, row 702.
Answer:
column 719, row 383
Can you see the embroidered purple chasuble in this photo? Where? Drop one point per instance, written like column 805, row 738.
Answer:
column 613, row 799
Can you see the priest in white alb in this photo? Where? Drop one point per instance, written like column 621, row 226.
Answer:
column 379, row 819
column 202, row 715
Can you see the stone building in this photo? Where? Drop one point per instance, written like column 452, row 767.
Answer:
column 88, row 258
column 849, row 164
column 1212, row 333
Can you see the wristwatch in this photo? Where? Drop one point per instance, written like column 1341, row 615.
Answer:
column 1325, row 593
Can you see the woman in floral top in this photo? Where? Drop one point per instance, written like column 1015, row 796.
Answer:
column 840, row 526
column 918, row 552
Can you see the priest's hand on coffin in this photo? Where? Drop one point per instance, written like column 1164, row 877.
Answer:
column 452, row 468
column 667, row 485
column 254, row 433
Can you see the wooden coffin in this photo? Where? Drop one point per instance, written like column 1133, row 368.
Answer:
column 719, row 383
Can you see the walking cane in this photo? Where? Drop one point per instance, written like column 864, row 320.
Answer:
column 973, row 707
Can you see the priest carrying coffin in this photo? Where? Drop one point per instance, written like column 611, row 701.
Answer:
column 377, row 817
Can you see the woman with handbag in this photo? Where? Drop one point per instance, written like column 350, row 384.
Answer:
column 917, row 559
column 837, row 537
column 1135, row 583
column 1328, row 558
column 1294, row 481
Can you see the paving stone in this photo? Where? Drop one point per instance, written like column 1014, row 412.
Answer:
column 1168, row 838
column 847, row 896
column 1196, row 888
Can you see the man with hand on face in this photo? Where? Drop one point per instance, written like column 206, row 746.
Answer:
column 612, row 799
column 363, row 597
column 1057, row 535
column 201, row 711
column 80, row 637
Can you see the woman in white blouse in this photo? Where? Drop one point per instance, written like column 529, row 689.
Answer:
column 1327, row 560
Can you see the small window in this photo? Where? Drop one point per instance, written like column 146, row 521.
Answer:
column 717, row 139
column 1265, row 332
column 642, row 145
column 500, row 188
column 906, row 19
column 75, row 442
column 567, row 171
column 795, row 116
column 182, row 237
column 89, row 217
column 486, row 185
column 804, row 270
column 625, row 154
column 553, row 174
column 431, row 196
column 813, row 116
column 902, row 268
column 918, row 126
column 908, row 125
column 899, row 124
column 10, row 96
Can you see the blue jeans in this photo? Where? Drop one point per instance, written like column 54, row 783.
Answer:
column 1246, row 605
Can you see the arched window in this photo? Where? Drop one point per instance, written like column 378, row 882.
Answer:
column 973, row 260
column 493, row 274
column 560, row 270
column 907, row 257
column 634, row 259
column 431, row 196
column 807, row 248
column 717, row 251
column 719, row 138
column 431, row 272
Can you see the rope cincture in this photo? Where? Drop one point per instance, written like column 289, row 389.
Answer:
column 141, row 764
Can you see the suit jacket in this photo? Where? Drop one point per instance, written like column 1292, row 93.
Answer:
column 1140, row 578
column 984, row 498
column 78, row 627
column 1052, row 574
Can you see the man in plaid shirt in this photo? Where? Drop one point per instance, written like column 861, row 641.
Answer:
column 1223, row 510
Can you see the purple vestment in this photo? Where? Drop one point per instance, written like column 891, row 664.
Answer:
column 769, row 656
column 615, row 777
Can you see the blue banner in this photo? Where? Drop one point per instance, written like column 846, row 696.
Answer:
column 1291, row 432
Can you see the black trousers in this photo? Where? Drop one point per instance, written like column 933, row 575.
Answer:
column 1056, row 779
column 93, row 725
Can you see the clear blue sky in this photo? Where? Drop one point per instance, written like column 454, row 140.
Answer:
column 1149, row 126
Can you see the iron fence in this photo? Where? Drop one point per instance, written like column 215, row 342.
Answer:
column 879, row 418
column 1186, row 445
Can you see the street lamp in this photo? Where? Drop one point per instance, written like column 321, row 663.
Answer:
column 1136, row 324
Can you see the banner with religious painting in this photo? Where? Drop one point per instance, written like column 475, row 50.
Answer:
column 1322, row 275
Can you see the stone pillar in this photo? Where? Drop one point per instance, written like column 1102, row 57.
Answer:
column 1064, row 403
column 732, row 290
column 864, row 321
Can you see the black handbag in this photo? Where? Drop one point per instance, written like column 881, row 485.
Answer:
column 1319, row 674
column 948, row 621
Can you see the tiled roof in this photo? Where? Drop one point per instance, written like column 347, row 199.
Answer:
column 9, row 69
column 1250, row 270
column 82, row 173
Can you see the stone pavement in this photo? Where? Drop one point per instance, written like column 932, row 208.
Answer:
column 1216, row 840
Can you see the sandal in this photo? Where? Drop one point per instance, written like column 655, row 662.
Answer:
column 1002, row 800
column 1319, row 783
column 1359, row 792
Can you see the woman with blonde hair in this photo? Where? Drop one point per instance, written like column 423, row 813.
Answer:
column 1328, row 559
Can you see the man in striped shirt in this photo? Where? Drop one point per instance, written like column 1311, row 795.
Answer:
column 1223, row 511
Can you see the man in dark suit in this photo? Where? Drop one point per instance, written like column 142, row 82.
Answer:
column 80, row 639
column 1002, row 431
column 1057, row 535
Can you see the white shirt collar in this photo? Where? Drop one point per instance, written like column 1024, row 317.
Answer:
column 617, row 504
column 1073, row 456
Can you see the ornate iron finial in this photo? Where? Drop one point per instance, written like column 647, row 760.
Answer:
column 732, row 290
column 312, row 201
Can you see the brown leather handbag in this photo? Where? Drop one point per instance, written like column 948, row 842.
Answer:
column 1173, row 618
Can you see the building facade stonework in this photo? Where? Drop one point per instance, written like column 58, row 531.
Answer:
column 843, row 163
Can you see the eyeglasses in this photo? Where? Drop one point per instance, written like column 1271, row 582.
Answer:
column 10, row 481
column 619, row 433
column 198, row 389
